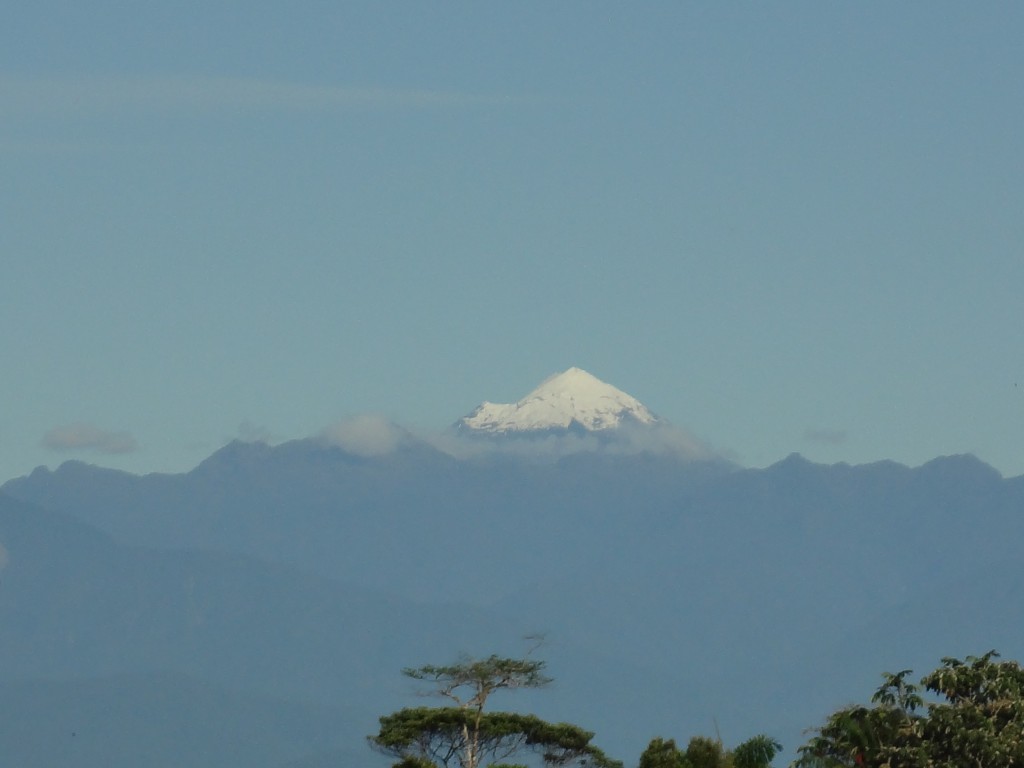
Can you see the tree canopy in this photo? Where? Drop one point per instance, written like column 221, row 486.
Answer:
column 704, row 752
column 976, row 720
column 469, row 682
column 467, row 736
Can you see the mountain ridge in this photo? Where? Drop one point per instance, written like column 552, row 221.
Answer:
column 319, row 570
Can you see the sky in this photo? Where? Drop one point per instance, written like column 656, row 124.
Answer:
column 785, row 227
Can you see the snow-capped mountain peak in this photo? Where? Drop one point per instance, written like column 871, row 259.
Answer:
column 567, row 400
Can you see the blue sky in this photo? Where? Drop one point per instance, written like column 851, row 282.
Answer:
column 785, row 227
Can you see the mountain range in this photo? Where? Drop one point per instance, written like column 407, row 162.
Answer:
column 280, row 589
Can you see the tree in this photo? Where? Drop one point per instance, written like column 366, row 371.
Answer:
column 704, row 752
column 976, row 720
column 756, row 752
column 663, row 753
column 465, row 735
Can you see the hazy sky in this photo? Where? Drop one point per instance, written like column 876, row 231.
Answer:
column 784, row 226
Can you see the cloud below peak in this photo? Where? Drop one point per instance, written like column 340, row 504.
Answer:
column 365, row 435
column 82, row 436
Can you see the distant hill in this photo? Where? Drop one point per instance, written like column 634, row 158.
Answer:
column 164, row 720
column 317, row 506
column 676, row 594
column 122, row 656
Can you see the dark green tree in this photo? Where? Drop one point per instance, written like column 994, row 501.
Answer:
column 663, row 753
column 465, row 735
column 976, row 720
column 757, row 752
column 704, row 752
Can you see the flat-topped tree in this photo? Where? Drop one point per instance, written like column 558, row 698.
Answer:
column 467, row 736
column 469, row 682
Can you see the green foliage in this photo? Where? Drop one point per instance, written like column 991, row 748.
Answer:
column 757, row 752
column 468, row 737
column 481, row 677
column 977, row 720
column 412, row 761
column 703, row 752
column 439, row 735
column 663, row 753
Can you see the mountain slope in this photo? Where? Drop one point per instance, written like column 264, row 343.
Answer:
column 349, row 517
column 179, row 653
column 652, row 576
column 166, row 720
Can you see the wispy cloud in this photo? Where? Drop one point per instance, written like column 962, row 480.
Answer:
column 248, row 432
column 100, row 95
column 39, row 147
column 365, row 435
column 628, row 439
column 88, row 437
column 824, row 435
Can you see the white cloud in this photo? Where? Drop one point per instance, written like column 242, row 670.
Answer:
column 365, row 435
column 88, row 437
column 663, row 438
column 85, row 95
column 627, row 439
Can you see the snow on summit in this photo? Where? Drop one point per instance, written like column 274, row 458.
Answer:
column 566, row 400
